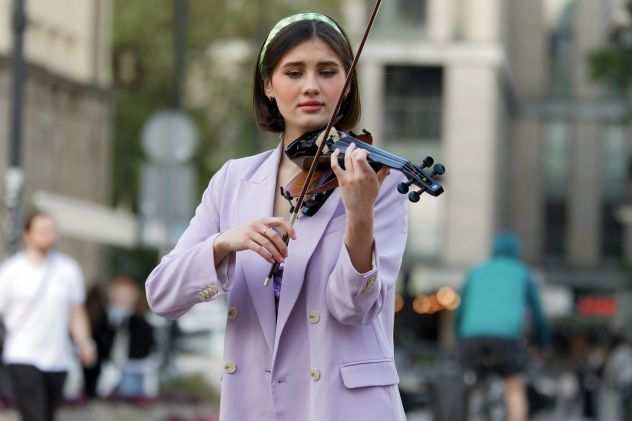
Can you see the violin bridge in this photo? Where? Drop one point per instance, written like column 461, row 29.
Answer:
column 334, row 135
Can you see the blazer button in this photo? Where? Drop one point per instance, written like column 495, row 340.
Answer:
column 370, row 283
column 212, row 291
column 230, row 367
column 203, row 295
column 314, row 317
column 315, row 374
column 233, row 313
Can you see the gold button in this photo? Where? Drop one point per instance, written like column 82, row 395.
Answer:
column 230, row 367
column 232, row 313
column 370, row 283
column 314, row 317
column 212, row 291
column 315, row 374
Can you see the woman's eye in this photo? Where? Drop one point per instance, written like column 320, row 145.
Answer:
column 293, row 74
column 328, row 73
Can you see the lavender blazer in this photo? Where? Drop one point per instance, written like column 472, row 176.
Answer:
column 329, row 354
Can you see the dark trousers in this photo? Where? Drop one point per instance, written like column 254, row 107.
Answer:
column 37, row 393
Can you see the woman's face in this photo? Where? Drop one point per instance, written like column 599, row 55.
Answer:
column 306, row 85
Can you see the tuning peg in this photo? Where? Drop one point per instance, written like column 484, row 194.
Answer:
column 414, row 196
column 404, row 186
column 427, row 162
column 438, row 169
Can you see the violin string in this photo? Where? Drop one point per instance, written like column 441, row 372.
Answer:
column 385, row 158
column 388, row 159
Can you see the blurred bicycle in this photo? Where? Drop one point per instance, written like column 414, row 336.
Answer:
column 485, row 400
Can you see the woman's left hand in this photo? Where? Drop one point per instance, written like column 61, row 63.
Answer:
column 359, row 183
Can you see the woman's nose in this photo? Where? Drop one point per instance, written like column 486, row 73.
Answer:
column 311, row 86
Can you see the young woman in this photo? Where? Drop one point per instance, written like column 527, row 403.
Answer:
column 317, row 343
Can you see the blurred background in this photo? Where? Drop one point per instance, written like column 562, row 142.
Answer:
column 115, row 114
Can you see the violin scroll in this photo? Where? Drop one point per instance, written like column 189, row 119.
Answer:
column 437, row 170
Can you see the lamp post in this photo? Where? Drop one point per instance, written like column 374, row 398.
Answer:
column 621, row 39
column 181, row 17
column 14, row 176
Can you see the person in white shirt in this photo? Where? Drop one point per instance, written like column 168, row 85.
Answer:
column 41, row 303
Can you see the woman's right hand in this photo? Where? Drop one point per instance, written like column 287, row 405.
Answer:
column 263, row 236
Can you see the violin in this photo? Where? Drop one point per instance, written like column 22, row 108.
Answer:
column 323, row 182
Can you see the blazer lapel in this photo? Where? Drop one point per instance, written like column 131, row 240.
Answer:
column 257, row 197
column 309, row 230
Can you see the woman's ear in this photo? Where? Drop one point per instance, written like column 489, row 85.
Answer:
column 267, row 88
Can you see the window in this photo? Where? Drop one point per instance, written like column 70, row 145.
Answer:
column 411, row 12
column 614, row 169
column 413, row 103
column 412, row 129
column 401, row 18
column 561, row 45
column 556, row 180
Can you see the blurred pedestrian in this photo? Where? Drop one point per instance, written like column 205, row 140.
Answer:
column 41, row 302
column 317, row 343
column 491, row 321
column 618, row 374
column 96, row 305
column 589, row 354
column 126, row 341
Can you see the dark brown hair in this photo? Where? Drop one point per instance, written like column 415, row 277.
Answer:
column 30, row 218
column 266, row 111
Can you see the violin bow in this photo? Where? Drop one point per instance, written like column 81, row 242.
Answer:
column 299, row 204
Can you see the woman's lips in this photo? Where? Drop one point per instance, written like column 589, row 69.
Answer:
column 311, row 107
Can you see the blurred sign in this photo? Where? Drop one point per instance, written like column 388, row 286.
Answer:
column 599, row 303
column 168, row 182
column 166, row 203
column 169, row 137
column 557, row 300
column 597, row 306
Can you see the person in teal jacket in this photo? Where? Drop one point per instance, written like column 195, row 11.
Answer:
column 496, row 299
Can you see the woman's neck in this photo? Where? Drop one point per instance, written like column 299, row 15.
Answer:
column 290, row 135
column 286, row 164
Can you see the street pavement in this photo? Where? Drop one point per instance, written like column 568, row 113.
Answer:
column 170, row 411
column 109, row 411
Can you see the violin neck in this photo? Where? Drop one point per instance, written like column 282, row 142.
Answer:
column 379, row 156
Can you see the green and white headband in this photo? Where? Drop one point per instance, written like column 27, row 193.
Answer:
column 287, row 21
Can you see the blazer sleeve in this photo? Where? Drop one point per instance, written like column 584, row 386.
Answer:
column 187, row 275
column 355, row 298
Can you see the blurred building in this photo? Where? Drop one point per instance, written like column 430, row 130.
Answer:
column 500, row 92
column 67, row 130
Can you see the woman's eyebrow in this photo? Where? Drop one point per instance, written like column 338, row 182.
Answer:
column 293, row 64
column 328, row 63
column 302, row 63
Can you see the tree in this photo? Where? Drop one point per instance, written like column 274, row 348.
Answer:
column 144, row 81
column 612, row 64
